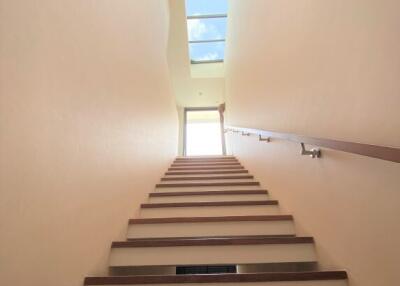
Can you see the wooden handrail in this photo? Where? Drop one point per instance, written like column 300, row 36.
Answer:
column 375, row 151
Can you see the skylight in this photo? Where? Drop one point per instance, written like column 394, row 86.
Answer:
column 206, row 24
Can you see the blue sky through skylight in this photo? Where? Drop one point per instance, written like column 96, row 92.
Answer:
column 206, row 29
column 207, row 51
column 206, row 7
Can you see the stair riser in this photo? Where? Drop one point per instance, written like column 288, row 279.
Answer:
column 228, row 228
column 218, row 172
column 213, row 176
column 241, row 269
column 206, row 168
column 191, row 158
column 210, row 188
column 289, row 283
column 212, row 181
column 204, row 164
column 206, row 178
column 208, row 198
column 208, row 160
column 228, row 165
column 205, row 211
column 206, row 255
column 207, row 183
column 222, row 162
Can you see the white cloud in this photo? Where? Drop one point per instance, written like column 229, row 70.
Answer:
column 197, row 29
column 209, row 57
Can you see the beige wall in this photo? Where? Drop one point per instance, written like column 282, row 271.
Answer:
column 87, row 126
column 181, row 118
column 326, row 69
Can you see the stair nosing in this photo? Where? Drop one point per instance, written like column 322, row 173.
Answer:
column 226, row 162
column 206, row 193
column 205, row 159
column 207, row 162
column 170, row 242
column 216, row 163
column 211, row 219
column 213, row 237
column 206, row 168
column 218, row 278
column 205, row 204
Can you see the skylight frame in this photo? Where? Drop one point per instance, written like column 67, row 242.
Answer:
column 206, row 41
column 207, row 16
column 194, row 62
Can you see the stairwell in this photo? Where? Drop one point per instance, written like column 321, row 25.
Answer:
column 209, row 211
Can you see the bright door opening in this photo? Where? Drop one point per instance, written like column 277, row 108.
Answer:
column 202, row 132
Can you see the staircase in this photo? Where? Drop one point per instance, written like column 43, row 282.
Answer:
column 208, row 214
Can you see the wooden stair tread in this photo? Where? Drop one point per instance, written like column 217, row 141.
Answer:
column 206, row 193
column 222, row 167
column 207, row 178
column 218, row 278
column 206, row 184
column 204, row 157
column 205, row 163
column 170, row 242
column 210, row 219
column 204, row 172
column 208, row 204
column 216, row 237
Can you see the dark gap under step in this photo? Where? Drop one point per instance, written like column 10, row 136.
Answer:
column 205, row 269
